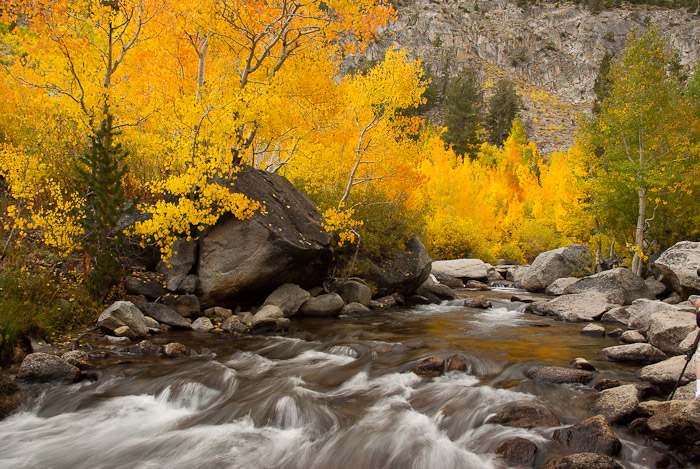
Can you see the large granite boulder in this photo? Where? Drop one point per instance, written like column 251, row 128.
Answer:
column 403, row 271
column 46, row 368
column 573, row 308
column 558, row 286
column 569, row 261
column 642, row 310
column 122, row 313
column 464, row 269
column 674, row 421
column 352, row 291
column 437, row 289
column 240, row 260
column 679, row 265
column 620, row 285
column 323, row 305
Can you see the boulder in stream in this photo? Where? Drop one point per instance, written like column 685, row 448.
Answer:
column 619, row 285
column 637, row 353
column 457, row 362
column 463, row 269
column 175, row 350
column 122, row 313
column 518, row 451
column 187, row 306
column 557, row 287
column 668, row 329
column 288, row 297
column 582, row 307
column 525, row 414
column 77, row 358
column 165, row 315
column 45, row 368
column 323, row 305
column 561, row 375
column 592, row 435
column 617, row 404
column 430, row 367
column 665, row 373
column 241, row 260
column 403, row 271
column 352, row 291
column 569, row 261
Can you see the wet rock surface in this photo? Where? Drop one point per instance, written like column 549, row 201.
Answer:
column 592, row 435
column 525, row 414
column 45, row 368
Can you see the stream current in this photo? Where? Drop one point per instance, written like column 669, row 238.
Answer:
column 332, row 394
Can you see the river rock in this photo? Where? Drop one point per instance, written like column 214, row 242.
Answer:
column 582, row 307
column 583, row 461
column 479, row 302
column 283, row 324
column 557, row 287
column 152, row 324
column 113, row 340
column 674, row 421
column 175, row 350
column 122, row 313
column 463, row 269
column 656, row 288
column 288, row 297
column 457, row 362
column 556, row 374
column 673, row 299
column 165, row 315
column 430, row 367
column 186, row 306
column 77, row 358
column 515, row 273
column 355, row 310
column 266, row 318
column 202, row 324
column 679, row 265
column 592, row 435
column 125, row 331
column 352, row 291
column 234, row 324
column 385, row 302
column 632, row 337
column 525, row 414
column 145, row 284
column 688, row 341
column 668, row 329
column 437, row 289
column 323, row 305
column 620, row 285
column 476, row 285
column 240, row 260
column 593, row 330
column 618, row 404
column 637, row 353
column 145, row 347
column 617, row 315
column 580, row 363
column 414, row 300
column 45, row 368
column 217, row 312
column 569, row 261
column 10, row 397
column 403, row 271
column 518, row 451
column 182, row 259
column 667, row 372
column 452, row 282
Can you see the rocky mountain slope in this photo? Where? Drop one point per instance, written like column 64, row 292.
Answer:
column 551, row 51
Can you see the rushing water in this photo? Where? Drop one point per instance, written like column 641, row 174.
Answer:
column 333, row 394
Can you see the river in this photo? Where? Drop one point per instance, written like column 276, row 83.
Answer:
column 331, row 394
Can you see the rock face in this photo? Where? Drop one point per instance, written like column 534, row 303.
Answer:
column 574, row 308
column 183, row 258
column 123, row 313
column 464, row 269
column 45, row 368
column 285, row 243
column 569, row 261
column 592, row 435
column 620, row 285
column 525, row 414
column 404, row 271
column 679, row 265
column 10, row 397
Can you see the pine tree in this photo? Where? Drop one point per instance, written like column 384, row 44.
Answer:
column 464, row 113
column 504, row 106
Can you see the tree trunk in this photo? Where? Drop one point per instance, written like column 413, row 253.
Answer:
column 639, row 235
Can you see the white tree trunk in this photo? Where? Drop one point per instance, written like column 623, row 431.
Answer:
column 639, row 234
